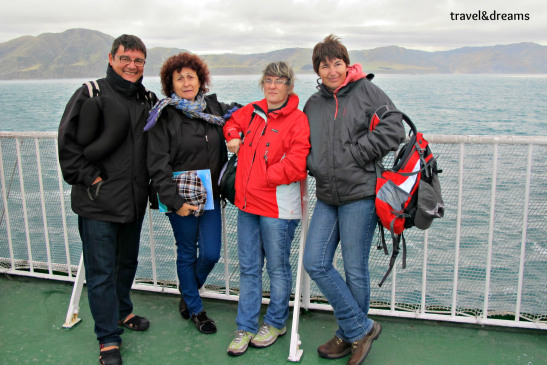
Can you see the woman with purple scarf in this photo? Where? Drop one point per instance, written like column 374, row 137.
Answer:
column 185, row 134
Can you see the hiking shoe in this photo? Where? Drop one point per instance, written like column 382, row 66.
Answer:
column 361, row 348
column 239, row 345
column 334, row 349
column 267, row 335
column 204, row 324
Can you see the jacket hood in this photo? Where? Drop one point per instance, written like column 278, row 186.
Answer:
column 355, row 72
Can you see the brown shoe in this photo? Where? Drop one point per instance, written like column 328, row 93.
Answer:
column 361, row 348
column 334, row 349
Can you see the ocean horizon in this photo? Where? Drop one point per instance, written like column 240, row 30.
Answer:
column 466, row 104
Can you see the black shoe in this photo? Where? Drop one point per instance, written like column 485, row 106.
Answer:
column 204, row 324
column 183, row 309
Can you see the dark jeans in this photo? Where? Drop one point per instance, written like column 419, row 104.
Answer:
column 110, row 257
column 198, row 242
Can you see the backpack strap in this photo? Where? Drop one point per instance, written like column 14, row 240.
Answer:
column 396, row 247
column 149, row 97
column 394, row 254
column 382, row 239
column 93, row 88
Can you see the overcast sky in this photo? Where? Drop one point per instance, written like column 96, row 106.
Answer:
column 256, row 26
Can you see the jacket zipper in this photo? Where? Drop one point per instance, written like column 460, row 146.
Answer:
column 253, row 159
column 336, row 109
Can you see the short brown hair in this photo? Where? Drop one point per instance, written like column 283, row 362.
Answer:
column 177, row 63
column 330, row 49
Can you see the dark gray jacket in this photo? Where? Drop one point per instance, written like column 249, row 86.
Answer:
column 123, row 194
column 343, row 151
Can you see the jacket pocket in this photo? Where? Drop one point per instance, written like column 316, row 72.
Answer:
column 94, row 190
column 116, row 193
column 370, row 166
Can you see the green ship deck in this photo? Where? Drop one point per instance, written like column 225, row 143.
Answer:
column 32, row 312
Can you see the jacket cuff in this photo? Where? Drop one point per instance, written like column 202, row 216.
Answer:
column 178, row 203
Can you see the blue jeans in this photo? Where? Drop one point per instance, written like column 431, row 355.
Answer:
column 110, row 254
column 192, row 235
column 260, row 237
column 353, row 225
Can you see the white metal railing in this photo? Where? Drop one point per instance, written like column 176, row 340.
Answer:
column 491, row 237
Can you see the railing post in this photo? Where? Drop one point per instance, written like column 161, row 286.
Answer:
column 225, row 249
column 490, row 232
column 74, row 306
column 458, row 235
column 6, row 210
column 524, row 229
column 295, row 353
column 152, row 247
column 63, row 210
column 24, row 202
column 393, row 287
column 424, row 273
column 43, row 204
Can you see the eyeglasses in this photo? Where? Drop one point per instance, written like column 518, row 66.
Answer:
column 124, row 60
column 276, row 82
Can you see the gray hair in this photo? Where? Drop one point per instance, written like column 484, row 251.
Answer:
column 278, row 69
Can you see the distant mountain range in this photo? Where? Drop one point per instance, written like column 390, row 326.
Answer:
column 80, row 53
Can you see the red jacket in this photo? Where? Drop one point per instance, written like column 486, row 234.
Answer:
column 272, row 159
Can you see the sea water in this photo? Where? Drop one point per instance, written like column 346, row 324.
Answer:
column 438, row 104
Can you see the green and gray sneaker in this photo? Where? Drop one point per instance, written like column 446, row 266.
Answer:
column 239, row 345
column 267, row 335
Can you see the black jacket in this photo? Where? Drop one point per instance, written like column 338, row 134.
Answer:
column 123, row 194
column 343, row 150
column 180, row 143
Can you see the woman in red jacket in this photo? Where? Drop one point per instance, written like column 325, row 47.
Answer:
column 271, row 138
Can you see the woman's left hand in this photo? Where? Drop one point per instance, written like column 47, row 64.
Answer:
column 186, row 209
column 233, row 145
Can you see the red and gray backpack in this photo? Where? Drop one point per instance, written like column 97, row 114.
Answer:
column 409, row 193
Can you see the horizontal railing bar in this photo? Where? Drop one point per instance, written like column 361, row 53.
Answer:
column 479, row 139
column 433, row 138
column 22, row 135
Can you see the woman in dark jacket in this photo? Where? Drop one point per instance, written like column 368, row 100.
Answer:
column 341, row 159
column 185, row 134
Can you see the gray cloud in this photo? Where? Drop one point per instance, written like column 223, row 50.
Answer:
column 247, row 26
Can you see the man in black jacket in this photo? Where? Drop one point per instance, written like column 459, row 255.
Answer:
column 102, row 152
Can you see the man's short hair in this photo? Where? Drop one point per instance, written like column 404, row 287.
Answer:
column 129, row 42
column 278, row 69
column 330, row 49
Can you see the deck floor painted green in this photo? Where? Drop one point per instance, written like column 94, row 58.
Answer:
column 32, row 312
